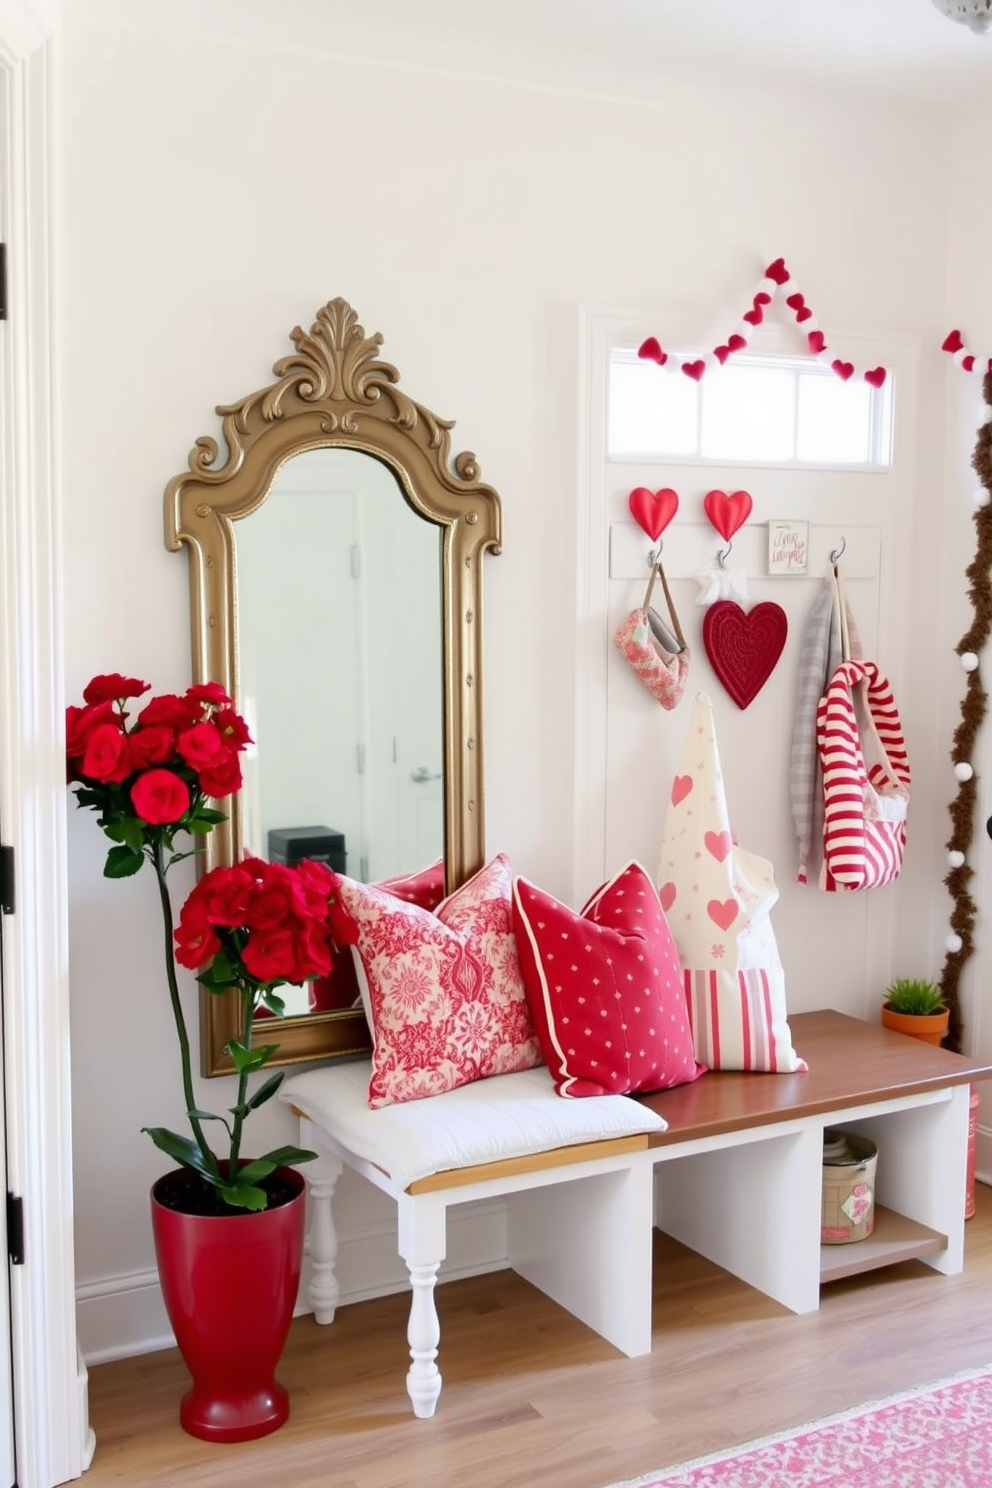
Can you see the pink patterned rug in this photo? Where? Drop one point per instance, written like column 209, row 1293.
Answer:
column 938, row 1437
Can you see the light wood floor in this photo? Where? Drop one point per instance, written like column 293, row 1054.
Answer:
column 532, row 1397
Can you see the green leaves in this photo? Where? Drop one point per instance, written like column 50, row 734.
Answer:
column 122, row 862
column 186, row 1152
column 246, row 1060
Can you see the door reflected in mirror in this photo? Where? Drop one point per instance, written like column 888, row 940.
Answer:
column 341, row 672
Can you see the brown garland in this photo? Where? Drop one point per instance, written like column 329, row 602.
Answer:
column 973, row 708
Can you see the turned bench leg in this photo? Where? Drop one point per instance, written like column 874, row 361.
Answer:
column 422, row 1237
column 324, row 1289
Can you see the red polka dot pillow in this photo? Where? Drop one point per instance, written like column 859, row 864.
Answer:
column 444, row 991
column 605, row 988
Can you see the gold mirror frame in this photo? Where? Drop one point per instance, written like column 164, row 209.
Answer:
column 333, row 391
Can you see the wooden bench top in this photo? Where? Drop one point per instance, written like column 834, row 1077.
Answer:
column 851, row 1063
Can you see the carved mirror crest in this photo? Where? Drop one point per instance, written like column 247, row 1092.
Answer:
column 345, row 620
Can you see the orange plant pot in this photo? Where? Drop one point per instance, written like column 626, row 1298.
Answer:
column 929, row 1027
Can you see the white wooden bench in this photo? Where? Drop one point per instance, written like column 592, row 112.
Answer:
column 738, row 1159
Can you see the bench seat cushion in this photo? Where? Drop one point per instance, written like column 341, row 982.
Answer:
column 506, row 1116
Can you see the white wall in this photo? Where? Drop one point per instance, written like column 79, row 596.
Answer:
column 217, row 196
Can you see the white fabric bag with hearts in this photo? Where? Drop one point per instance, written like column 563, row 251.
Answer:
column 717, row 899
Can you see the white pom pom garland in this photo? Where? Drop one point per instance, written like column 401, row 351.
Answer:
column 963, row 771
column 969, row 661
column 955, row 859
column 953, row 943
column 981, row 497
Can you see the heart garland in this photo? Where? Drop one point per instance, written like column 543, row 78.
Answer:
column 963, row 357
column 653, row 510
column 777, row 281
column 744, row 647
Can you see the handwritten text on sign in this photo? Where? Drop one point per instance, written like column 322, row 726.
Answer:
column 788, row 547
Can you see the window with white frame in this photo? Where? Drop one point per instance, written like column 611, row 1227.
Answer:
column 756, row 409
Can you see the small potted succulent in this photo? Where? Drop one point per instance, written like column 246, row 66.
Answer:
column 916, row 1006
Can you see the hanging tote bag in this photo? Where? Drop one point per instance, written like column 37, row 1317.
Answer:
column 658, row 655
column 866, row 779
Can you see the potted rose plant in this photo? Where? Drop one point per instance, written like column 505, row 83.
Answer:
column 226, row 1228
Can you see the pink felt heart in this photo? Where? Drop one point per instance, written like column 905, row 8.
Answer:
column 721, row 353
column 777, row 271
column 952, row 342
column 722, row 912
column 754, row 317
column 727, row 513
column 876, row 376
column 817, row 342
column 667, row 896
column 967, row 363
column 796, row 301
column 743, row 648
column 843, row 369
column 736, row 343
column 653, row 510
column 681, row 786
column 694, row 370
column 718, row 844
column 804, row 314
column 651, row 351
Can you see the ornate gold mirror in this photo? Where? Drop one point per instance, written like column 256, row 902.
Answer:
column 345, row 619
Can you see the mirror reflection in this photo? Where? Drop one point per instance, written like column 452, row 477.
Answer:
column 339, row 623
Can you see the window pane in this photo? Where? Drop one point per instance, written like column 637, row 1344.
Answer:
column 652, row 412
column 834, row 422
column 749, row 413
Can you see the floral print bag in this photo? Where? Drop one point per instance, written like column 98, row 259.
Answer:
column 658, row 655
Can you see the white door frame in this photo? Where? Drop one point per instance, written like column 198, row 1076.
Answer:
column 53, row 1439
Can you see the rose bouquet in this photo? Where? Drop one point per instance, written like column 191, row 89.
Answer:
column 246, row 930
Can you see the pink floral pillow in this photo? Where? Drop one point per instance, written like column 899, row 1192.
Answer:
column 445, row 993
column 605, row 988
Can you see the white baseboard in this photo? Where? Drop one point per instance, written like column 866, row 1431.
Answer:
column 120, row 1316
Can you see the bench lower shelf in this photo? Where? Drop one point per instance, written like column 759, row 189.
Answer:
column 895, row 1238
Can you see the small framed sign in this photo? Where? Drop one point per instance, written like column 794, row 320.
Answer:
column 788, row 547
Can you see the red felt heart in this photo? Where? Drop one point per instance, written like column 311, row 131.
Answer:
column 721, row 353
column 694, row 370
column 952, row 342
column 651, row 351
column 796, row 301
column 804, row 314
column 876, row 376
column 653, row 510
column 967, row 363
column 744, row 648
column 681, row 786
column 762, row 297
column 778, row 272
column 843, row 369
column 727, row 513
column 736, row 343
column 754, row 317
column 667, row 894
column 723, row 912
column 817, row 342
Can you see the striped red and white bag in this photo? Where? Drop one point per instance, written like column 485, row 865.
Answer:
column 866, row 780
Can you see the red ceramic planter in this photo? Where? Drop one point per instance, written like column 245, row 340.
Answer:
column 230, row 1285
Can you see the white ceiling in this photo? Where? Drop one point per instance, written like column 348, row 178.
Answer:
column 870, row 50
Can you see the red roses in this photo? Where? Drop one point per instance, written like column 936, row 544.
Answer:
column 262, row 924
column 151, row 777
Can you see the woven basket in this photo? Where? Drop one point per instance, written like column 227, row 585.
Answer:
column 848, row 1211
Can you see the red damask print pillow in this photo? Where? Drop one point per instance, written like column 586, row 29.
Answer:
column 445, row 993
column 605, row 988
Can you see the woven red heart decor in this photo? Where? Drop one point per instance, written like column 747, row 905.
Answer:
column 653, row 510
column 727, row 513
column 743, row 647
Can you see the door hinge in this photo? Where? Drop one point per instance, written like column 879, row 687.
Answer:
column 3, row 281
column 7, row 880
column 15, row 1229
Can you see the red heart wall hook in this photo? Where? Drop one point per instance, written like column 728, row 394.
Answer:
column 653, row 510
column 727, row 513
